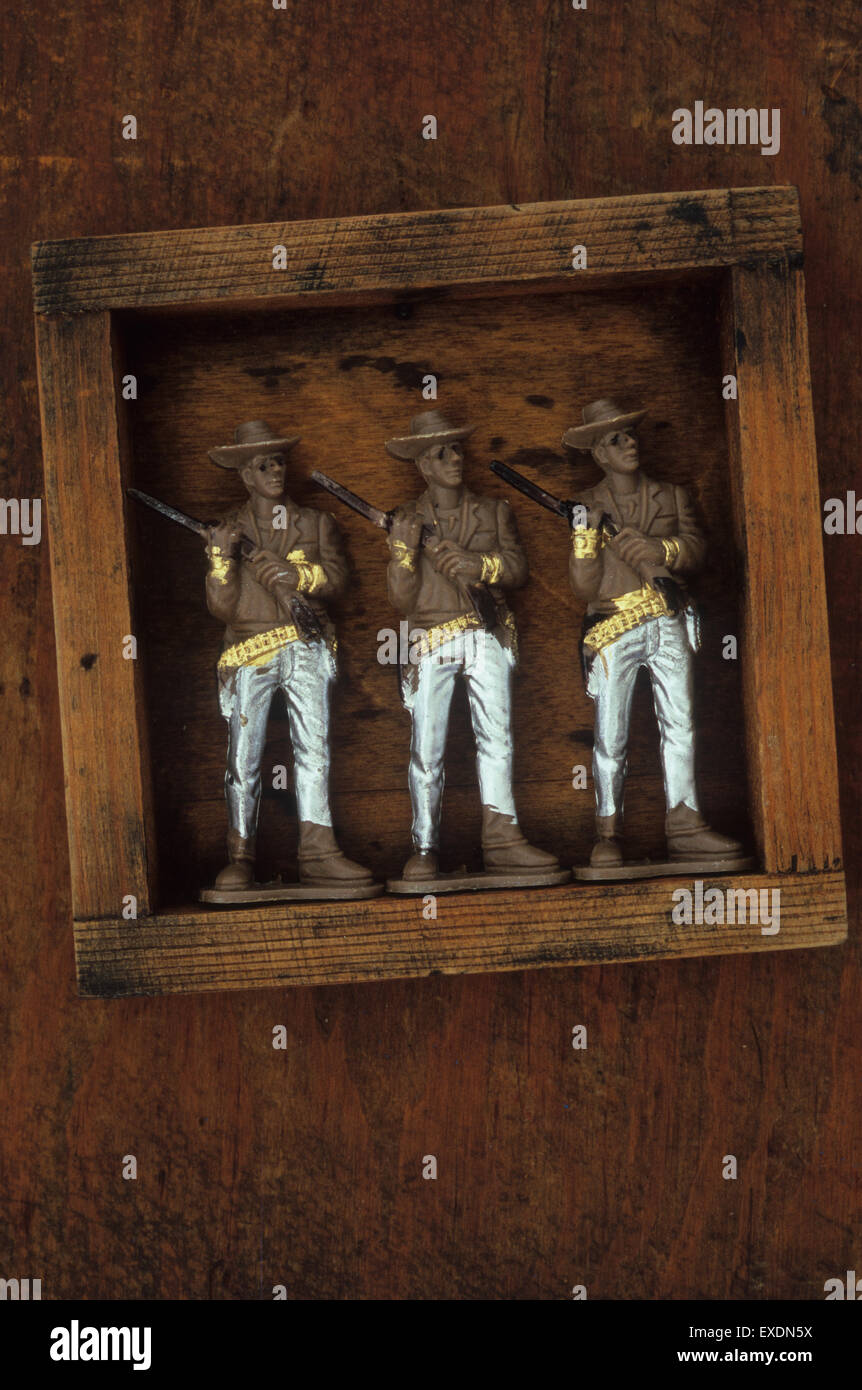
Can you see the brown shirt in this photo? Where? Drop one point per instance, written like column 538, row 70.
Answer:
column 245, row 606
column 663, row 510
column 480, row 524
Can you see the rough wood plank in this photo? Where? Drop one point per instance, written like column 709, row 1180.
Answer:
column 410, row 252
column 389, row 938
column 101, row 703
column 784, row 652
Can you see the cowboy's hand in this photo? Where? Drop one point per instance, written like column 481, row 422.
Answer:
column 224, row 538
column 406, row 528
column 456, row 563
column 272, row 573
column 636, row 549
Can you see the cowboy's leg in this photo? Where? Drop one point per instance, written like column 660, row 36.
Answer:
column 611, row 686
column 671, row 670
column 306, row 675
column 244, row 699
column 488, row 677
column 429, row 704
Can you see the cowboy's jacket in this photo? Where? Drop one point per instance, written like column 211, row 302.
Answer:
column 483, row 525
column 663, row 511
column 310, row 538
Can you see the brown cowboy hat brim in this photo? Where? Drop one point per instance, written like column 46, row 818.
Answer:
column 412, row 445
column 585, row 436
column 238, row 455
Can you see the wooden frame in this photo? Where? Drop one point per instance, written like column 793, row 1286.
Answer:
column 751, row 239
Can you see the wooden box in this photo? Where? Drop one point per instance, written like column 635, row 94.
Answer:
column 679, row 292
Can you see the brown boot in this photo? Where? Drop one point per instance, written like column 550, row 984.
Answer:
column 505, row 851
column 689, row 837
column 422, row 864
column 239, row 873
column 607, row 852
column 321, row 862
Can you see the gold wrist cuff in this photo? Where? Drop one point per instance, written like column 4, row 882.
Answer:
column 671, row 551
column 403, row 556
column 585, row 543
column 220, row 564
column 310, row 576
column 492, row 568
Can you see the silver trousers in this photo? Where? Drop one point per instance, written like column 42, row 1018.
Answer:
column 487, row 670
column 305, row 672
column 664, row 646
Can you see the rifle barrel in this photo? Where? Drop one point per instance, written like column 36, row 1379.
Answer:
column 353, row 500
column 530, row 489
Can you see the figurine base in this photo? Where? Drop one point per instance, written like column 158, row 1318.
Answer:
column 662, row 868
column 462, row 882
column 287, row 892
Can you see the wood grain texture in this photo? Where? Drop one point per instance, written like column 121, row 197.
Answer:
column 790, row 730
column 303, row 1166
column 111, row 835
column 412, row 252
column 391, row 938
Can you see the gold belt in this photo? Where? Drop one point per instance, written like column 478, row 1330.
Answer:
column 257, row 650
column 633, row 608
column 434, row 637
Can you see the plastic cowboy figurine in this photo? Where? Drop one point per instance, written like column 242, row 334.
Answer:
column 639, row 615
column 453, row 555
column 272, row 566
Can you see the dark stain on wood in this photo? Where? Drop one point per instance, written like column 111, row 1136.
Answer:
column 409, row 375
column 693, row 212
column 844, row 122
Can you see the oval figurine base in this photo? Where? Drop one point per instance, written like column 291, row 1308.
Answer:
column 287, row 892
column 462, row 882
column 663, row 868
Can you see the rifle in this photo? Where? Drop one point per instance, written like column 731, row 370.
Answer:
column 478, row 594
column 656, row 577
column 303, row 615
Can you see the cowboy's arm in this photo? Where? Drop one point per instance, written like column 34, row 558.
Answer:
column 223, row 581
column 689, row 537
column 328, row 578
column 508, row 565
column 680, row 552
column 586, row 561
column 402, row 572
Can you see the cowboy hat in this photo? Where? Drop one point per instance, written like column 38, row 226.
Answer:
column 426, row 430
column 254, row 437
column 600, row 418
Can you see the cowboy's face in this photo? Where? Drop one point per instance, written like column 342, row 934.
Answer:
column 444, row 464
column 618, row 452
column 265, row 475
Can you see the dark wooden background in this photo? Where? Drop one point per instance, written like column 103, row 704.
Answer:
column 303, row 1166
column 513, row 365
